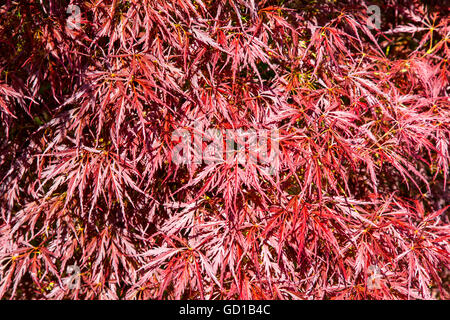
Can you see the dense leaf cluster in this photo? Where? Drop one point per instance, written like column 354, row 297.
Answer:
column 355, row 207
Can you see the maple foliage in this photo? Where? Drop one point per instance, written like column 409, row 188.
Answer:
column 88, row 179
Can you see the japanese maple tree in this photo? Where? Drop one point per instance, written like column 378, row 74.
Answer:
column 96, row 95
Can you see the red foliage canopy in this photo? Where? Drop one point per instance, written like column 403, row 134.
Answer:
column 354, row 203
